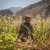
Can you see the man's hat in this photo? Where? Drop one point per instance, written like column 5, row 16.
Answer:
column 27, row 16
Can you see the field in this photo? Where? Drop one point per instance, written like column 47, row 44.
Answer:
column 9, row 35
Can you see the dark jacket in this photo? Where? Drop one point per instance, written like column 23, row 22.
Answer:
column 26, row 30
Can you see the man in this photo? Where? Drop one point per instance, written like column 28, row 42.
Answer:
column 26, row 29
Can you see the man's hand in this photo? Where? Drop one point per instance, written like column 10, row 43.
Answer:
column 33, row 34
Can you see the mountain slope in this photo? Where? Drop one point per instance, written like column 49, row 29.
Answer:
column 6, row 12
column 15, row 9
column 41, row 8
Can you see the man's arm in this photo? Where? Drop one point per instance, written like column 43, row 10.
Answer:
column 32, row 33
column 32, row 36
column 20, row 31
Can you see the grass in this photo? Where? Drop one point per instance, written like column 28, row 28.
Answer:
column 9, row 35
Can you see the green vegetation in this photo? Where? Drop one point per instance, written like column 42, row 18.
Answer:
column 9, row 35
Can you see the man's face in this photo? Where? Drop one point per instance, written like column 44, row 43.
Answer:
column 27, row 20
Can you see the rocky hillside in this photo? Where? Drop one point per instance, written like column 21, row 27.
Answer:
column 15, row 9
column 6, row 12
column 41, row 8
